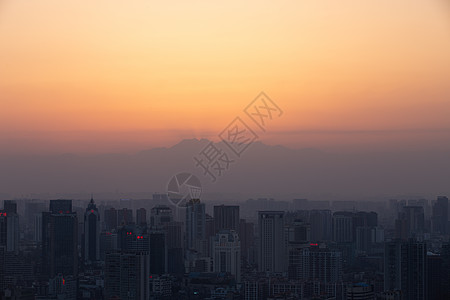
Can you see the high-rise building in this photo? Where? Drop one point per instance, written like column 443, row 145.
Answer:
column 91, row 233
column 195, row 225
column 59, row 240
column 60, row 206
column 342, row 227
column 226, row 217
column 439, row 218
column 315, row 263
column 410, row 222
column 271, row 250
column 405, row 265
column 127, row 275
column 10, row 206
column 110, row 219
column 9, row 231
column 247, row 238
column 321, row 225
column 160, row 215
column 124, row 216
column 141, row 217
column 227, row 253
column 158, row 252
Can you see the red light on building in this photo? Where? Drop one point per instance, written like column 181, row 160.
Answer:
column 314, row 244
column 92, row 211
column 60, row 211
column 64, row 281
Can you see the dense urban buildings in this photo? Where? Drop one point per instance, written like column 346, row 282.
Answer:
column 81, row 249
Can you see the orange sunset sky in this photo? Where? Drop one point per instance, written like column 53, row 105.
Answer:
column 122, row 76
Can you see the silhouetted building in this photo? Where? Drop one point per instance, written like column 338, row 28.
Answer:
column 160, row 215
column 226, row 217
column 405, row 265
column 60, row 240
column 158, row 252
column 271, row 250
column 141, row 217
column 91, row 233
column 440, row 215
column 110, row 219
column 195, row 225
column 124, row 216
column 227, row 253
column 9, row 231
column 127, row 275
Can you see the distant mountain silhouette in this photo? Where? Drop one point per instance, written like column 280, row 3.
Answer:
column 262, row 170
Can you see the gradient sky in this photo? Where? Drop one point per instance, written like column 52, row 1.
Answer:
column 117, row 76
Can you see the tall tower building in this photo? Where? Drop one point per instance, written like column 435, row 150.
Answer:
column 226, row 217
column 59, row 240
column 227, row 253
column 110, row 219
column 124, row 216
column 141, row 217
column 439, row 218
column 160, row 215
column 405, row 268
column 127, row 275
column 272, row 256
column 195, row 225
column 91, row 233
column 9, row 230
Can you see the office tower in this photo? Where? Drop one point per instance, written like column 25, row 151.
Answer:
column 315, row 263
column 124, row 216
column 127, row 275
column 298, row 232
column 110, row 219
column 321, row 225
column 247, row 239
column 9, row 231
column 439, row 218
column 141, row 217
column 410, row 222
column 405, row 265
column 108, row 243
column 59, row 241
column 271, row 241
column 37, row 227
column 434, row 276
column 195, row 225
column 226, row 217
column 60, row 206
column 2, row 268
column 158, row 252
column 342, row 225
column 445, row 279
column 91, row 233
column 160, row 215
column 174, row 240
column 227, row 253
column 10, row 206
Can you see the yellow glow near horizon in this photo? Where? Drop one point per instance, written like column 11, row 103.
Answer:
column 74, row 72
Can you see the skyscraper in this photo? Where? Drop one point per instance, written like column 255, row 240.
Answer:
column 110, row 219
column 160, row 215
column 127, row 275
column 124, row 216
column 271, row 241
column 9, row 230
column 91, row 233
column 227, row 253
column 405, row 265
column 440, row 215
column 59, row 240
column 226, row 217
column 141, row 217
column 195, row 225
